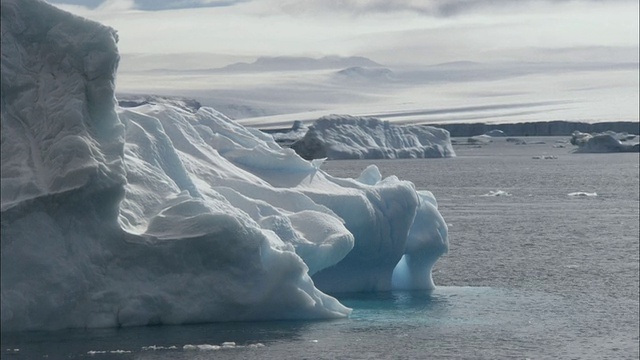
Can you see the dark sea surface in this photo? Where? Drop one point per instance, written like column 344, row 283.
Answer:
column 533, row 274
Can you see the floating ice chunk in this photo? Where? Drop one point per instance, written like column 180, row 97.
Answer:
column 480, row 139
column 583, row 193
column 497, row 193
column 202, row 347
column 207, row 347
column 159, row 347
column 120, row 351
column 495, row 133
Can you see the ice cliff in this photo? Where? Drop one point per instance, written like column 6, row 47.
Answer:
column 164, row 214
column 351, row 137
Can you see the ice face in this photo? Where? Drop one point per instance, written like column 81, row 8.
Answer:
column 166, row 214
column 58, row 119
column 350, row 137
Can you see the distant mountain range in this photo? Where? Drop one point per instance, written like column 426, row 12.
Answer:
column 358, row 73
column 292, row 63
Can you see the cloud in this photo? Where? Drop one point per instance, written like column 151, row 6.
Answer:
column 145, row 5
column 114, row 6
column 152, row 5
column 439, row 8
column 89, row 4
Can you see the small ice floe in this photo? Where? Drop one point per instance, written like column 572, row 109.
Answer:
column 96, row 352
column 497, row 193
column 203, row 347
column 224, row 345
column 313, row 341
column 516, row 141
column 545, row 157
column 480, row 139
column 156, row 347
column 583, row 193
column 495, row 133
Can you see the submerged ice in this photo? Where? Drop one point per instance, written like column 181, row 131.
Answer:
column 161, row 214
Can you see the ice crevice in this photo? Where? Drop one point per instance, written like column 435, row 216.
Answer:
column 157, row 215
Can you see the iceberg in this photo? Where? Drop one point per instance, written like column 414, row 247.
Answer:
column 607, row 142
column 295, row 133
column 338, row 137
column 497, row 193
column 160, row 213
column 495, row 133
column 583, row 193
column 480, row 139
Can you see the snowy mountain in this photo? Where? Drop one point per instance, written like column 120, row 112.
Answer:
column 291, row 63
column 162, row 213
column 366, row 74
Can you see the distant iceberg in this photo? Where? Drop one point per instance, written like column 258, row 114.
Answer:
column 339, row 137
column 160, row 212
column 497, row 193
column 608, row 142
column 286, row 138
column 495, row 133
column 583, row 193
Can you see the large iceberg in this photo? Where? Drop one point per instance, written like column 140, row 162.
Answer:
column 165, row 214
column 607, row 142
column 352, row 137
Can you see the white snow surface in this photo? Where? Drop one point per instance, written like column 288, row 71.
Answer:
column 349, row 137
column 160, row 214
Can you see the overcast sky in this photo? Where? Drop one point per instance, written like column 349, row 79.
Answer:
column 428, row 31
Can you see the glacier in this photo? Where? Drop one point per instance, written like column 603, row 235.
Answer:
column 339, row 137
column 157, row 213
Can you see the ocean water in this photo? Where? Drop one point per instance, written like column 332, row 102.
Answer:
column 533, row 273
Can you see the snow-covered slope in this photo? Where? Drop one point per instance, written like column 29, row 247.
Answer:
column 364, row 74
column 350, row 137
column 290, row 63
column 166, row 214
